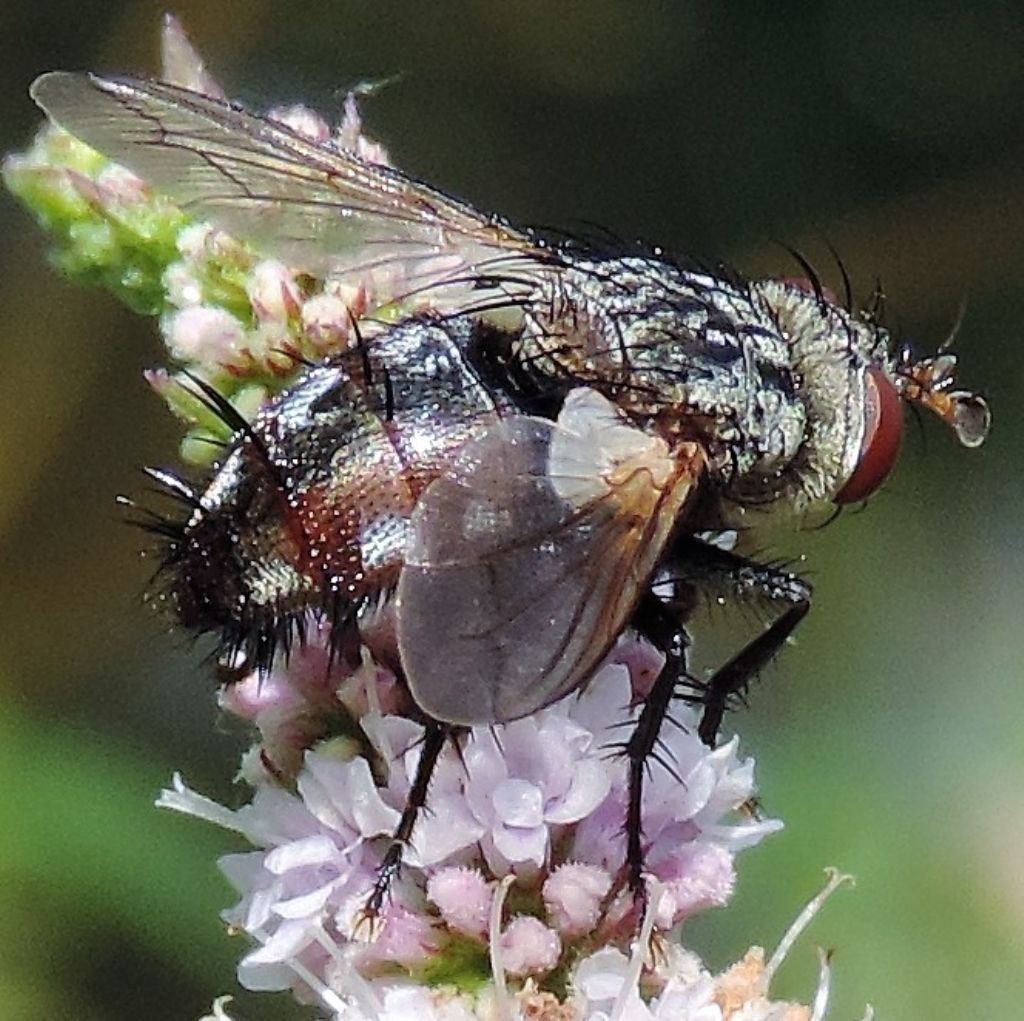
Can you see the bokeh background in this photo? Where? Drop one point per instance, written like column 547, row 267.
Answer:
column 888, row 737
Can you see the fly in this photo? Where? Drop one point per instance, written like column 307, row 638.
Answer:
column 489, row 492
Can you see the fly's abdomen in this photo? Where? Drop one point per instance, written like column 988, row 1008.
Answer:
column 309, row 512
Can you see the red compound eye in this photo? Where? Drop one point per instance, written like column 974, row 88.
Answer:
column 883, row 433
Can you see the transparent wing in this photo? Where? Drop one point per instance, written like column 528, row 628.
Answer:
column 526, row 562
column 317, row 208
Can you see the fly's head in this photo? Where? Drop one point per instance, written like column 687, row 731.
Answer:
column 846, row 387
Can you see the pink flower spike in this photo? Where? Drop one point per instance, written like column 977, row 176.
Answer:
column 573, row 894
column 204, row 334
column 303, row 121
column 463, row 897
column 273, row 293
column 180, row 62
column 528, row 946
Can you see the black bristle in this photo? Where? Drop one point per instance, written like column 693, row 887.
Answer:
column 172, row 485
column 812, row 275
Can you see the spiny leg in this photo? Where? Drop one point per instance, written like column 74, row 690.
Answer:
column 700, row 566
column 732, row 678
column 391, row 864
column 654, row 620
column 696, row 566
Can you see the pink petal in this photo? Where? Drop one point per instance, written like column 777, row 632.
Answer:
column 521, row 845
column 518, row 803
column 589, row 786
column 307, row 905
column 448, row 828
column 343, row 796
column 286, row 942
column 297, row 854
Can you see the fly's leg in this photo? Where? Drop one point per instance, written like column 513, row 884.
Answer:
column 730, row 680
column 391, row 865
column 663, row 630
column 696, row 568
column 702, row 566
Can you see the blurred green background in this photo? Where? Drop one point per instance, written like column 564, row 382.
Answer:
column 888, row 738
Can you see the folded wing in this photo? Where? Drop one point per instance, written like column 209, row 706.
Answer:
column 529, row 557
column 317, row 207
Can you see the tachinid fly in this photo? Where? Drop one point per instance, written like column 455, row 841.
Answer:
column 489, row 492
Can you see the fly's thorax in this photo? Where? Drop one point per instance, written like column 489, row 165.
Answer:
column 697, row 355
column 771, row 378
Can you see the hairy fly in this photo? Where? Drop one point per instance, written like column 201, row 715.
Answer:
column 489, row 492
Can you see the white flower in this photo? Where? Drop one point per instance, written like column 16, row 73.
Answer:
column 540, row 800
column 202, row 333
column 317, row 866
column 540, row 773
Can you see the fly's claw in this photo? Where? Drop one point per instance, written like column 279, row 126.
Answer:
column 369, row 922
column 368, row 925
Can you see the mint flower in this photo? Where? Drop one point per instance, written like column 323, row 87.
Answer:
column 530, row 812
